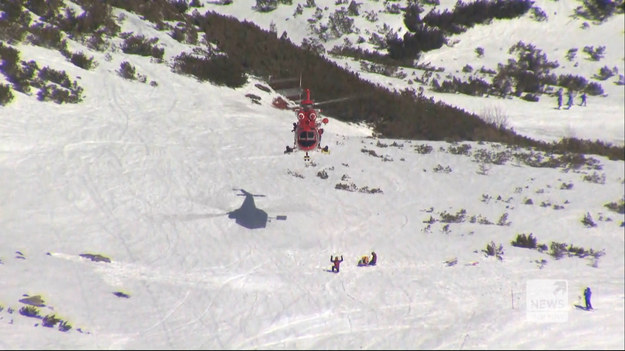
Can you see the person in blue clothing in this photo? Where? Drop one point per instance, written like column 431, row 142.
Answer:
column 587, row 294
column 569, row 102
column 374, row 259
column 583, row 102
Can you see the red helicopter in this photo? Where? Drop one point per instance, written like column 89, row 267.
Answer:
column 307, row 130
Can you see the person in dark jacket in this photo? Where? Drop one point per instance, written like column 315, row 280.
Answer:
column 587, row 294
column 374, row 259
column 569, row 102
column 337, row 263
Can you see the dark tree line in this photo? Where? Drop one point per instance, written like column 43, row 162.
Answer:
column 243, row 48
column 431, row 31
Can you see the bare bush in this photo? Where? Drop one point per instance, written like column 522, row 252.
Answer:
column 81, row 60
column 121, row 294
column 523, row 240
column 50, row 321
column 366, row 189
column 127, row 70
column 538, row 14
column 464, row 149
column 490, row 156
column 557, row 250
column 587, row 221
column 440, row 169
column 266, row 5
column 483, row 169
column 97, row 16
column 65, row 326
column 46, row 36
column 423, row 149
column 459, row 217
column 13, row 21
column 217, row 69
column 617, row 206
column 348, row 187
column 96, row 257
column 493, row 250
column 5, row 94
column 570, row 55
column 139, row 45
column 595, row 54
column 29, row 311
column 495, row 116
column 605, row 72
column 598, row 11
column 59, row 94
column 503, row 220
column 594, row 89
column 595, row 178
column 59, row 77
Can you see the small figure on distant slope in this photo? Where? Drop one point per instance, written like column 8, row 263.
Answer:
column 559, row 99
column 364, row 261
column 337, row 263
column 587, row 294
column 583, row 102
column 374, row 258
column 569, row 102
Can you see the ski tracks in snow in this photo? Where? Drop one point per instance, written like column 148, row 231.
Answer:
column 117, row 274
column 347, row 313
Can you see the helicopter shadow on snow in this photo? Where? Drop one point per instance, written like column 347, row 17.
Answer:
column 192, row 216
column 250, row 216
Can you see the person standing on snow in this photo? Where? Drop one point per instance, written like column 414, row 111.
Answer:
column 559, row 99
column 569, row 102
column 337, row 263
column 587, row 294
column 583, row 97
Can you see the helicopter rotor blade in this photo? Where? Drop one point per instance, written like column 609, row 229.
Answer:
column 283, row 80
column 245, row 193
column 325, row 102
column 320, row 103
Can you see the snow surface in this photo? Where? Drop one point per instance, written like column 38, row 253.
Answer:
column 146, row 176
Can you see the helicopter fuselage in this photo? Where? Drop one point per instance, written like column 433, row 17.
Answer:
column 307, row 133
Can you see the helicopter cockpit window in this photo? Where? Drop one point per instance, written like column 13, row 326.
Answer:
column 306, row 138
column 307, row 135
